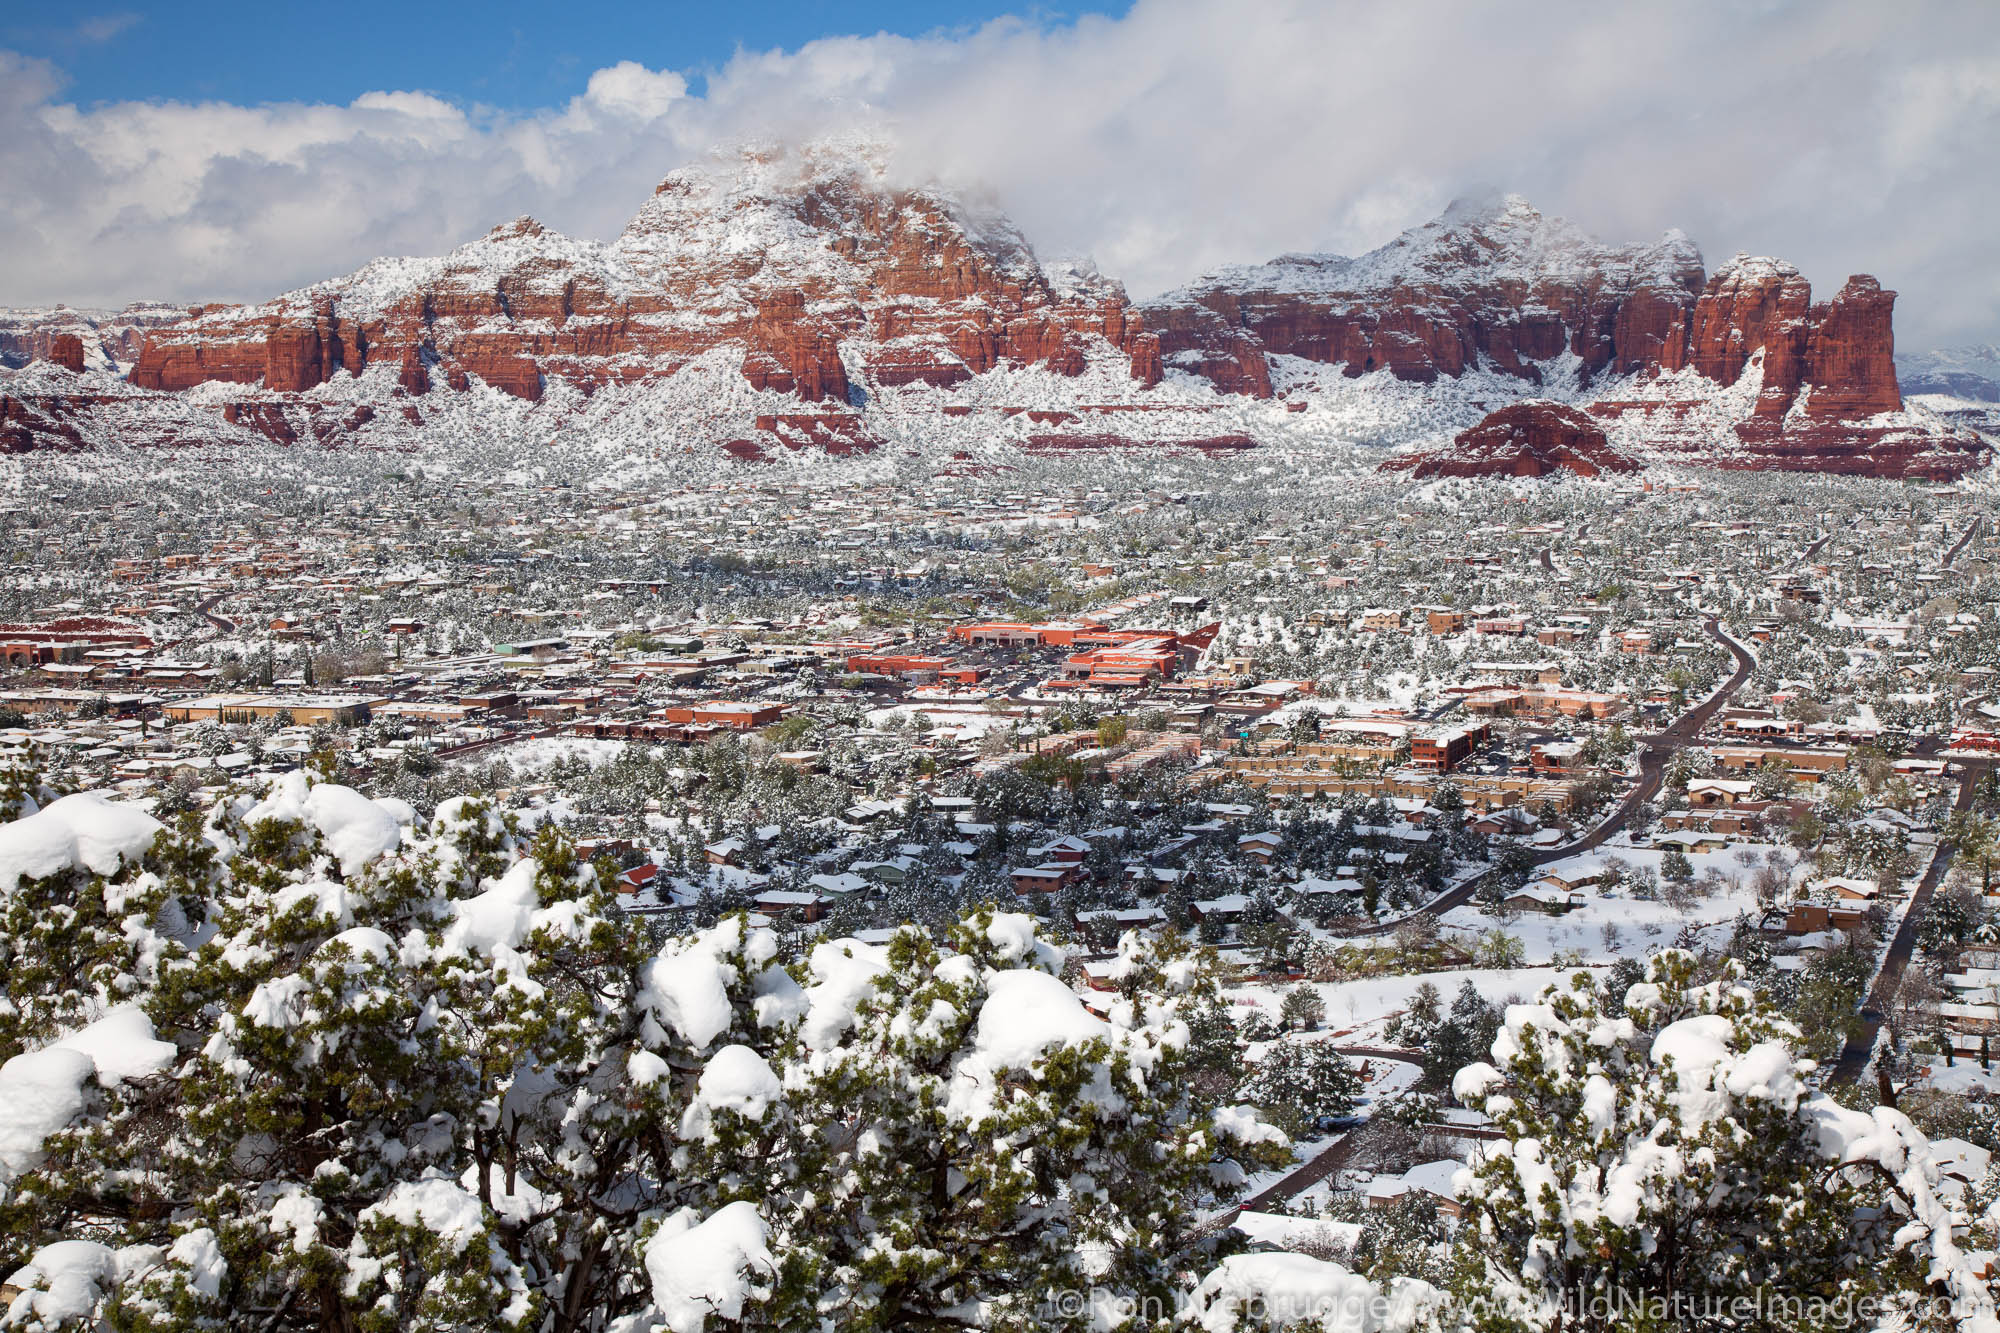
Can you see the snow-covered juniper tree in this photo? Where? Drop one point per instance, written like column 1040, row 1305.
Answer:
column 321, row 1064
column 408, row 1076
column 1670, row 1167
column 967, row 1134
column 1301, row 1081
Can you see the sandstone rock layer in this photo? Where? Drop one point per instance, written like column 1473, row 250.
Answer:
column 1535, row 438
column 812, row 282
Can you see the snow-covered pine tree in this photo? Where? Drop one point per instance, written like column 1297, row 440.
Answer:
column 1301, row 1081
column 414, row 1076
column 971, row 1133
column 391, row 1073
column 1671, row 1168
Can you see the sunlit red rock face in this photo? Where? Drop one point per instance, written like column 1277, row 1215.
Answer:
column 1535, row 438
column 1851, row 354
column 1497, row 287
column 793, row 265
column 66, row 350
column 1827, row 374
column 1842, row 352
column 813, row 296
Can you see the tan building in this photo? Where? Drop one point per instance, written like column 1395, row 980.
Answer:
column 1381, row 619
column 1805, row 765
column 342, row 710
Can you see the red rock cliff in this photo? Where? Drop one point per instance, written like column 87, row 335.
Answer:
column 1490, row 283
column 804, row 265
column 66, row 350
column 1851, row 353
column 818, row 279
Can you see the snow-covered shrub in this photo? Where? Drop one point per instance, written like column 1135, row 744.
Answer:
column 320, row 1063
column 1675, row 1158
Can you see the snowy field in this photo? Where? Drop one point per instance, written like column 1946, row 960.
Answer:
column 533, row 755
column 1357, row 1010
column 947, row 721
column 1642, row 926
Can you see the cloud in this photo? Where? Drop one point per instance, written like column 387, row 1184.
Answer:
column 105, row 26
column 1844, row 135
column 630, row 90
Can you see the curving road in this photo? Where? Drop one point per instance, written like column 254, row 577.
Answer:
column 1860, row 1048
column 1652, row 771
column 1970, row 532
column 1309, row 1173
column 1681, row 732
column 1684, row 730
column 1854, row 1057
column 206, row 610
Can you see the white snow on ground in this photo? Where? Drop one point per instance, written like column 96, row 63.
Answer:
column 946, row 721
column 531, row 755
column 1964, row 1074
column 1356, row 1009
column 1644, row 926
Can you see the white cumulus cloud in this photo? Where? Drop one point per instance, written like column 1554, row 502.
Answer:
column 1845, row 135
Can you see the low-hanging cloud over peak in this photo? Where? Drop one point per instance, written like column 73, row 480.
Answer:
column 1846, row 136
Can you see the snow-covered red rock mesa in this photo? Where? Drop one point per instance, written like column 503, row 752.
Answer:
column 792, row 299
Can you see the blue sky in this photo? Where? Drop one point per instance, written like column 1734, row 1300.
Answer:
column 508, row 54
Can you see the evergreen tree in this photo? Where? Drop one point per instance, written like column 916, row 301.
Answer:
column 1303, row 1008
column 354, row 1071
column 1299, row 1083
column 1674, row 1162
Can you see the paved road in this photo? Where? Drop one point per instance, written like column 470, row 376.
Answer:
column 1329, row 1160
column 206, row 612
column 1682, row 731
column 1652, row 770
column 1860, row 1049
column 1970, row 533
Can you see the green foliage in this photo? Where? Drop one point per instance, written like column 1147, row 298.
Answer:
column 1300, row 1082
column 1303, row 1007
column 1625, row 1180
column 1445, row 1040
column 454, row 1087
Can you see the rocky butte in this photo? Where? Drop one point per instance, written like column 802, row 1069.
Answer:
column 1534, row 438
column 808, row 299
column 802, row 274
column 1651, row 341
